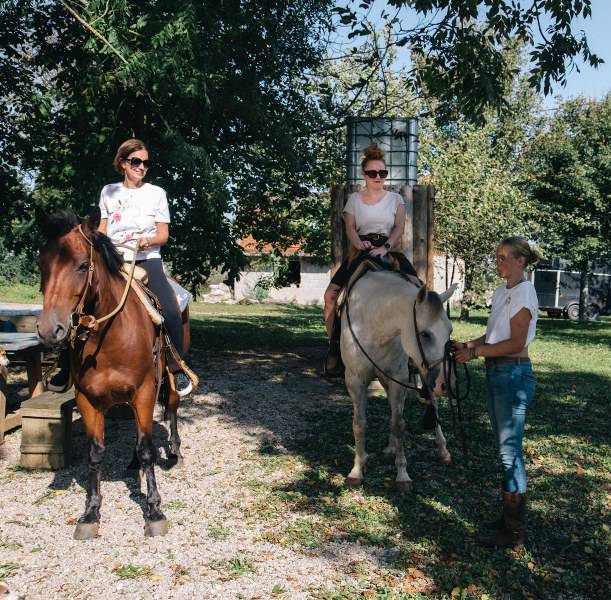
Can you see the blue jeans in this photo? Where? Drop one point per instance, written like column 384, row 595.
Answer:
column 511, row 389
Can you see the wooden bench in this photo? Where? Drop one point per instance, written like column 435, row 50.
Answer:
column 46, row 430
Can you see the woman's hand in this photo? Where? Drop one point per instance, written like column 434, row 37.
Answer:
column 380, row 251
column 365, row 245
column 465, row 354
column 458, row 345
column 143, row 243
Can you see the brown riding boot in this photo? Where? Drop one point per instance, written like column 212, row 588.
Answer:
column 513, row 531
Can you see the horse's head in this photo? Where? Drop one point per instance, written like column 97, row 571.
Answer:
column 427, row 345
column 64, row 261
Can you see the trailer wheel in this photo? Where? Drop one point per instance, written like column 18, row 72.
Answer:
column 572, row 312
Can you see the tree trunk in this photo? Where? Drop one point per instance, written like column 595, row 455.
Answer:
column 464, row 308
column 583, row 293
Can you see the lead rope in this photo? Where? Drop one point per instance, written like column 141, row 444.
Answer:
column 454, row 397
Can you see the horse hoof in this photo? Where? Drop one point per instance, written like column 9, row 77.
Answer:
column 403, row 487
column 154, row 528
column 353, row 482
column 174, row 460
column 86, row 531
column 446, row 459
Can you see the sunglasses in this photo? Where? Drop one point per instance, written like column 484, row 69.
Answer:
column 136, row 162
column 383, row 174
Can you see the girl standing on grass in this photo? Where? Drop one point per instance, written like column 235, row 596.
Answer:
column 509, row 379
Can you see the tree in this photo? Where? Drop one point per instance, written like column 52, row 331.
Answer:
column 460, row 45
column 216, row 90
column 570, row 180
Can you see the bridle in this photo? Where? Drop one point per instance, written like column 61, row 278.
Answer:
column 448, row 362
column 425, row 365
column 77, row 317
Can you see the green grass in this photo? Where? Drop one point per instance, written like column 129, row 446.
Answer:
column 434, row 531
column 18, row 292
column 436, row 528
column 131, row 571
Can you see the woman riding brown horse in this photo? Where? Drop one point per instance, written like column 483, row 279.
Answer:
column 112, row 362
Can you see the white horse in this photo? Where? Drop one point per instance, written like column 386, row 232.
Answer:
column 380, row 311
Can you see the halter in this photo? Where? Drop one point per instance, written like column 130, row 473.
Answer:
column 449, row 364
column 425, row 390
column 77, row 317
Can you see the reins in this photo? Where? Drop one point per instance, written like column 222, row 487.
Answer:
column 77, row 317
column 448, row 362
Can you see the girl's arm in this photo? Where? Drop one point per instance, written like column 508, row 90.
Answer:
column 159, row 239
column 514, row 345
column 103, row 226
column 352, row 234
column 395, row 233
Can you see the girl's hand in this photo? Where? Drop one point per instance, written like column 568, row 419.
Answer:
column 380, row 251
column 143, row 243
column 465, row 354
column 458, row 345
column 365, row 245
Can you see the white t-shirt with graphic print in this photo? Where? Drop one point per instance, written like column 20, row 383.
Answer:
column 506, row 303
column 132, row 214
column 374, row 218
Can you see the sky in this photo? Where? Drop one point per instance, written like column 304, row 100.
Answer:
column 590, row 81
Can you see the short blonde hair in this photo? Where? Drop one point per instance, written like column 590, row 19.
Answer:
column 520, row 247
column 124, row 150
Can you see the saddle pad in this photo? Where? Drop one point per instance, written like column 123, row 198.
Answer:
column 146, row 302
column 139, row 273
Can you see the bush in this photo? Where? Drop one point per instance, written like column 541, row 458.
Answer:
column 17, row 268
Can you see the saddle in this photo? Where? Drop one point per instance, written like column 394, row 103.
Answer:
column 163, row 343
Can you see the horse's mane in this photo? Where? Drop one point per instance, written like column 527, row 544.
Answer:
column 63, row 221
column 111, row 256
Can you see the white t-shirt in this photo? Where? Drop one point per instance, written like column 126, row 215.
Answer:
column 506, row 303
column 374, row 218
column 132, row 214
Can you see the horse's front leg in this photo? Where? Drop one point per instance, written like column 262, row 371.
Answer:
column 358, row 393
column 396, row 399
column 440, row 439
column 143, row 406
column 93, row 421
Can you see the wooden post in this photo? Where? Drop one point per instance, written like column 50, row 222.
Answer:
column 423, row 218
column 407, row 240
column 338, row 200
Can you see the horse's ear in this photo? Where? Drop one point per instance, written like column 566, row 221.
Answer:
column 422, row 294
column 43, row 222
column 448, row 293
column 92, row 222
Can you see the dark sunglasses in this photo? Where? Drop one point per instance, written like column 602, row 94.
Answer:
column 383, row 174
column 136, row 162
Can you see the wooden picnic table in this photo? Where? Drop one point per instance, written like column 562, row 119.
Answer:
column 21, row 347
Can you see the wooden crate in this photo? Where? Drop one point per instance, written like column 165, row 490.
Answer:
column 46, row 430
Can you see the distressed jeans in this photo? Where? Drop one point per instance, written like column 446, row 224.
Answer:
column 511, row 389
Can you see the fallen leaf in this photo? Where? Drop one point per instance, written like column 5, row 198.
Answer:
column 455, row 592
column 71, row 521
column 579, row 471
column 531, row 565
column 156, row 578
column 471, row 589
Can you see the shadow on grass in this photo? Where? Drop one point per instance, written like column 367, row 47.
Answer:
column 277, row 387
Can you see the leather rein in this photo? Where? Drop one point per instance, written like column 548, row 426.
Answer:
column 449, row 364
column 78, row 318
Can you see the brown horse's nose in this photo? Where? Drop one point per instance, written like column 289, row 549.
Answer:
column 55, row 334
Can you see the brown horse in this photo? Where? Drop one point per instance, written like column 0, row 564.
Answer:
column 111, row 362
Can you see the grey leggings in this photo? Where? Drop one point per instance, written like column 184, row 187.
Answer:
column 160, row 286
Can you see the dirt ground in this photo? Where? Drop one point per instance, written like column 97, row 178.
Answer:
column 217, row 545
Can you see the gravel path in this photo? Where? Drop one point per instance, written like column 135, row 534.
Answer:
column 214, row 548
